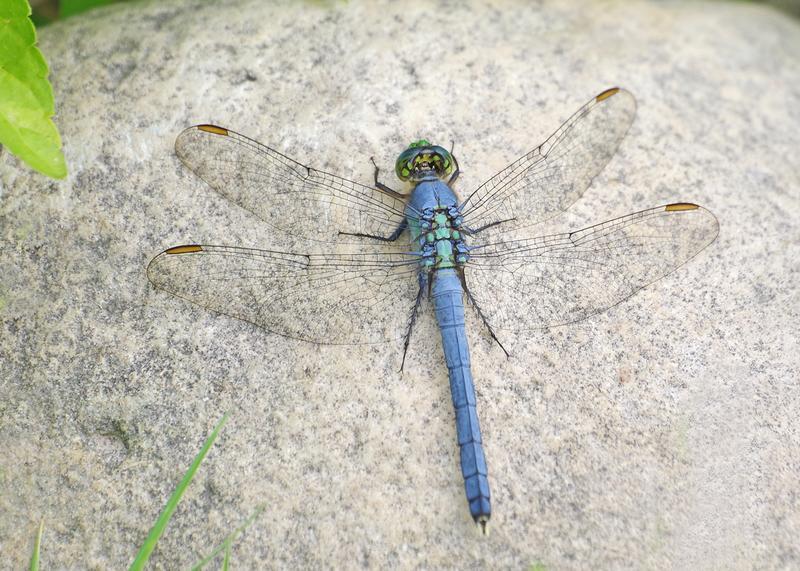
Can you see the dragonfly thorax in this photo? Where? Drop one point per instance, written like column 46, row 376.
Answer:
column 441, row 241
column 421, row 161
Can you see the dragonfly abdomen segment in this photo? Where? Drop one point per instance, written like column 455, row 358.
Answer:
column 449, row 304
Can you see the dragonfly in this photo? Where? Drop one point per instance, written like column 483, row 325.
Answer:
column 371, row 259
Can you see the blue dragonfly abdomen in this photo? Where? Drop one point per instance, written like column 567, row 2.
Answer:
column 448, row 299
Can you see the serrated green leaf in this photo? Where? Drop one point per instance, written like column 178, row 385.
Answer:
column 26, row 96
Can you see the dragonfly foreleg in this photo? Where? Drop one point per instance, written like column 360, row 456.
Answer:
column 424, row 284
column 480, row 313
column 380, row 186
column 482, row 228
column 391, row 238
column 456, row 172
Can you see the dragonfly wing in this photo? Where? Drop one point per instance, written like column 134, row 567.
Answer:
column 563, row 278
column 548, row 179
column 284, row 193
column 341, row 298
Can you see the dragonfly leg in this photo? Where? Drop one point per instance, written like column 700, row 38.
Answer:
column 482, row 228
column 480, row 313
column 391, row 238
column 456, row 172
column 380, row 186
column 424, row 282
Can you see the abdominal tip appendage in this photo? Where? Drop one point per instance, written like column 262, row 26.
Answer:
column 483, row 523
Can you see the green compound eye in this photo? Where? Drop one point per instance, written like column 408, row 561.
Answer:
column 443, row 160
column 420, row 152
column 405, row 163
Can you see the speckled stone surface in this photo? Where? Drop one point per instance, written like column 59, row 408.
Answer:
column 662, row 434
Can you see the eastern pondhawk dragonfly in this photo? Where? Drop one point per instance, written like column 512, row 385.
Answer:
column 359, row 280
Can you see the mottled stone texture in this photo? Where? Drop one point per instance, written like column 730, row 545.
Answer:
column 662, row 434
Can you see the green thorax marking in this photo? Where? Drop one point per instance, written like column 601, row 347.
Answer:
column 441, row 226
column 444, row 255
column 441, row 234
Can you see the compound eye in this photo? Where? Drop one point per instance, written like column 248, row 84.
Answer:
column 444, row 160
column 448, row 163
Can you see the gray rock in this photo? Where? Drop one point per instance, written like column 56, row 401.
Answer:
column 663, row 433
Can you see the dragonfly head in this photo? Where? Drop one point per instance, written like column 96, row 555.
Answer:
column 422, row 160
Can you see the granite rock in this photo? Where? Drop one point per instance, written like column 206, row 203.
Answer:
column 662, row 433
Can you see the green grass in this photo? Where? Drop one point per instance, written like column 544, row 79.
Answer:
column 228, row 542
column 34, row 566
column 172, row 503
column 48, row 11
column 68, row 8
column 163, row 519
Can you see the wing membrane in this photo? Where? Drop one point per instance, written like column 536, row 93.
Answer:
column 548, row 179
column 563, row 278
column 336, row 298
column 284, row 193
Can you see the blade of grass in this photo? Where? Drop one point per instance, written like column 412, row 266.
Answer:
column 227, row 562
column 36, row 546
column 172, row 503
column 226, row 543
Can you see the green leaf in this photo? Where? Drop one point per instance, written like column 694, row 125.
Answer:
column 174, row 499
column 36, row 546
column 26, row 97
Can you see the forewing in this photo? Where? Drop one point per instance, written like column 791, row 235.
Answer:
column 548, row 179
column 284, row 193
column 333, row 298
column 563, row 278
